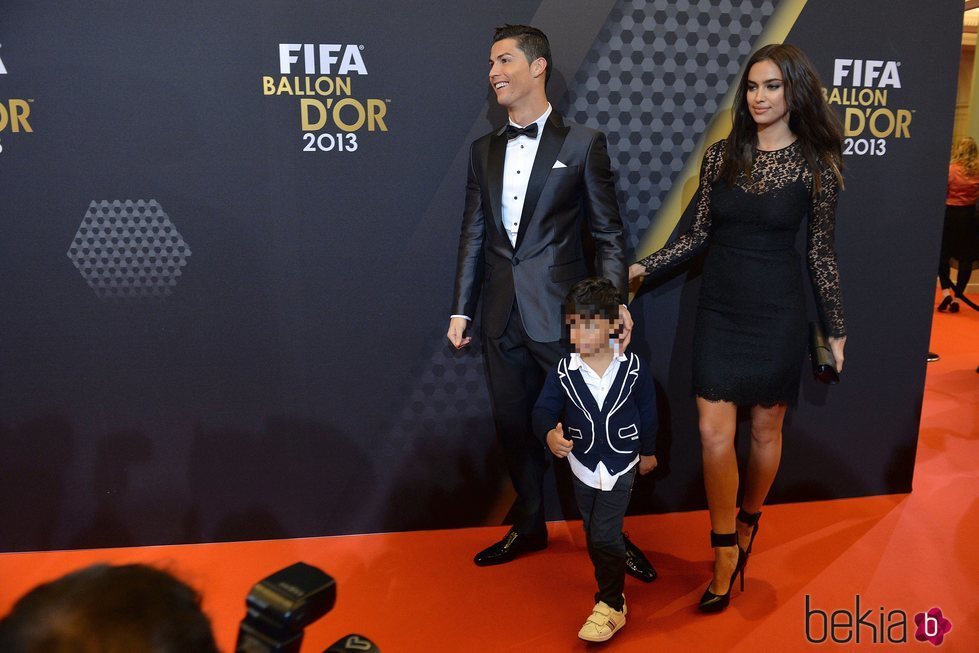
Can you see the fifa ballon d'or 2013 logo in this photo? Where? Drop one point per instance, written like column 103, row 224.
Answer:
column 330, row 115
column 862, row 87
column 15, row 114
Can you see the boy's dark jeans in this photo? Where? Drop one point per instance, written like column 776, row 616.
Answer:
column 603, row 512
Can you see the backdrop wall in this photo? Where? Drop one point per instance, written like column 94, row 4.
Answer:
column 228, row 244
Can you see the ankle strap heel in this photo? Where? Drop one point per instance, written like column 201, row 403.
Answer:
column 711, row 602
column 723, row 539
column 751, row 519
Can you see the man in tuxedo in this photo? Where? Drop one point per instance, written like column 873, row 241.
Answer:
column 532, row 186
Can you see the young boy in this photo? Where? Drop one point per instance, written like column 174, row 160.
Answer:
column 609, row 426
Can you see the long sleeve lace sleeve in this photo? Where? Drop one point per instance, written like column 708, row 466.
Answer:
column 695, row 238
column 823, row 268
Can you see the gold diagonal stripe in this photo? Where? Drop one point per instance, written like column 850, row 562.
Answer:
column 685, row 185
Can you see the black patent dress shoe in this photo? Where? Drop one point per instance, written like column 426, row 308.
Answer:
column 512, row 545
column 636, row 563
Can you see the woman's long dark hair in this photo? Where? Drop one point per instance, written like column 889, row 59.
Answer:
column 810, row 118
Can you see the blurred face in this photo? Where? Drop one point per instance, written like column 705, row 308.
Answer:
column 511, row 76
column 766, row 94
column 590, row 334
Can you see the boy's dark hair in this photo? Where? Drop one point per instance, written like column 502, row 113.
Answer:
column 531, row 41
column 594, row 297
column 109, row 609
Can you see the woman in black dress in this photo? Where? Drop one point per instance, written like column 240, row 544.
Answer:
column 779, row 166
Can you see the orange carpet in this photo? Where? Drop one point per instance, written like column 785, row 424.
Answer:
column 420, row 591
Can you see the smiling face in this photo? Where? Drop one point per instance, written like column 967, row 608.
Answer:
column 513, row 78
column 766, row 94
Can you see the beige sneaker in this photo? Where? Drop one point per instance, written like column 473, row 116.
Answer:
column 603, row 623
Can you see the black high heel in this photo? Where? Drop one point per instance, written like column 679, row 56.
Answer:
column 943, row 306
column 751, row 519
column 710, row 602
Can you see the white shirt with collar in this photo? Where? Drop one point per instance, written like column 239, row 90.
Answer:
column 598, row 386
column 520, row 154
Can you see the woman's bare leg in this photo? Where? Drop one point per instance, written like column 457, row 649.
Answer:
column 766, row 453
column 718, row 423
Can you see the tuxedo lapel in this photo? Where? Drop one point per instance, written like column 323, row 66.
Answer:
column 551, row 140
column 494, row 178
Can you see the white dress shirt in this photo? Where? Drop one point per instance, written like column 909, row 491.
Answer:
column 520, row 154
column 598, row 386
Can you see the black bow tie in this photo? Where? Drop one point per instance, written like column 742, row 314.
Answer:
column 530, row 131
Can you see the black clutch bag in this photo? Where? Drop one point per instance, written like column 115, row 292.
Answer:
column 823, row 363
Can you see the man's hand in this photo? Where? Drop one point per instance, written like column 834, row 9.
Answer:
column 836, row 344
column 626, row 336
column 457, row 328
column 557, row 443
column 647, row 464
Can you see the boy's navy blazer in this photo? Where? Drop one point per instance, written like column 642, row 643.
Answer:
column 624, row 426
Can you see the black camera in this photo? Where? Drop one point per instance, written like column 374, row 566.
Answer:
column 281, row 606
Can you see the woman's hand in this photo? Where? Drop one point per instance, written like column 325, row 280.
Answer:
column 637, row 271
column 836, row 344
column 625, row 336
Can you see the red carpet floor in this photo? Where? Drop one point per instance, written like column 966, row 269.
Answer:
column 420, row 591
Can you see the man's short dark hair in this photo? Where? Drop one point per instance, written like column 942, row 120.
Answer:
column 594, row 297
column 531, row 41
column 109, row 609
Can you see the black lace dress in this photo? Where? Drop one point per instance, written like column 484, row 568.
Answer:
column 751, row 327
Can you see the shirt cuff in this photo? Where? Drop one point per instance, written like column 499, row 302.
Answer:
column 465, row 317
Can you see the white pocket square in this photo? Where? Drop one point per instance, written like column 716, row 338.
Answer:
column 558, row 164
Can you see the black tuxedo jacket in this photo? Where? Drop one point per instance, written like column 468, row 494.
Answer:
column 548, row 257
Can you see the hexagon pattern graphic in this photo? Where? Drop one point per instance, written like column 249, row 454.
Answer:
column 652, row 81
column 129, row 249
